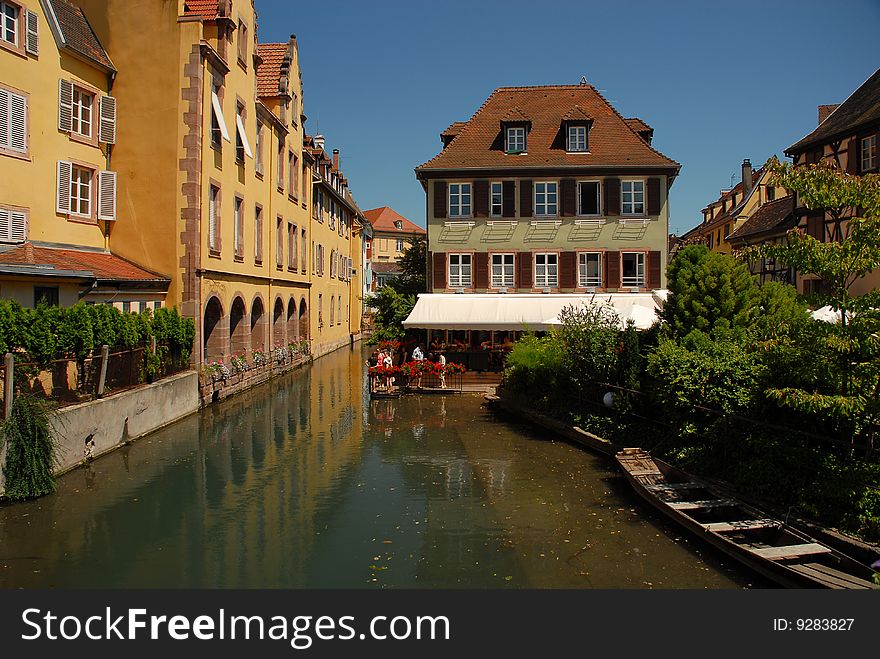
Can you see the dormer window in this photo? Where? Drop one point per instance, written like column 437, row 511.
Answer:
column 398, row 224
column 577, row 139
column 515, row 139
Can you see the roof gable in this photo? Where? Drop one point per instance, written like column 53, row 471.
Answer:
column 613, row 143
column 269, row 71
column 384, row 217
column 861, row 108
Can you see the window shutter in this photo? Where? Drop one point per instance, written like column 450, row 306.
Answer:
column 653, row 268
column 508, row 199
column 481, row 270
column 569, row 197
column 853, row 155
column 5, row 118
column 525, row 200
column 612, row 269
column 32, row 40
column 481, row 198
column 65, row 106
column 525, row 270
column 65, row 170
column 612, row 196
column 17, row 122
column 17, row 231
column 107, row 130
column 106, row 195
column 568, row 269
column 5, row 225
column 440, row 200
column 218, row 112
column 439, row 270
column 653, row 196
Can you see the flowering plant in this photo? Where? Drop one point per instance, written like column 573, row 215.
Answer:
column 384, row 370
column 280, row 353
column 218, row 370
column 454, row 368
column 259, row 358
column 304, row 347
column 239, row 363
column 389, row 346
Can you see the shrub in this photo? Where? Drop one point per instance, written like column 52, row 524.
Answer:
column 31, row 457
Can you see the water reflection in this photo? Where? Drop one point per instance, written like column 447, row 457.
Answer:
column 306, row 482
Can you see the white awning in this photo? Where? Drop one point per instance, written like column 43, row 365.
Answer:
column 525, row 311
column 218, row 112
column 241, row 132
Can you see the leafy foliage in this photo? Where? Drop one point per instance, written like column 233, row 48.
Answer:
column 392, row 308
column 708, row 291
column 31, row 447
column 413, row 265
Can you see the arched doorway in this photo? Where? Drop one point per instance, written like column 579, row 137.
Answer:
column 303, row 320
column 278, row 334
column 258, row 326
column 237, row 327
column 213, row 335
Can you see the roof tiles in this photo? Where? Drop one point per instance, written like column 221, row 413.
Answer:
column 384, row 217
column 77, row 33
column 269, row 71
column 101, row 264
column 613, row 143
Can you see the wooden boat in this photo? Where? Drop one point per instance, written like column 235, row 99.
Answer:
column 767, row 545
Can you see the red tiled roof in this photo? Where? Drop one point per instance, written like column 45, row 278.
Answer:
column 383, row 219
column 454, row 129
column 101, row 264
column 386, row 267
column 576, row 113
column 638, row 125
column 514, row 114
column 269, row 71
column 612, row 142
column 772, row 215
column 207, row 9
column 77, row 33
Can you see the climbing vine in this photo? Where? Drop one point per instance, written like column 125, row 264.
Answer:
column 31, row 448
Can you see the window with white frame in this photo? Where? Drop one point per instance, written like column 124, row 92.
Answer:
column 516, row 139
column 13, row 121
column 496, row 199
column 869, row 153
column 588, row 198
column 399, row 245
column 214, row 218
column 258, row 146
column 632, row 197
column 398, row 224
column 258, row 234
column 83, row 102
column 460, row 270
column 238, row 237
column 546, row 270
column 577, row 138
column 291, row 246
column 589, row 269
column 546, row 198
column 81, row 191
column 459, row 200
column 502, row 271
column 633, row 272
column 9, row 17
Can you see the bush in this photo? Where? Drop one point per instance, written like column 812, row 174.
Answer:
column 30, row 457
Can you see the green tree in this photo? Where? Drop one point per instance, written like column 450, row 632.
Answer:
column 392, row 308
column 708, row 291
column 413, row 265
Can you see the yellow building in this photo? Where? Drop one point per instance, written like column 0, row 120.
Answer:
column 215, row 187
column 58, row 185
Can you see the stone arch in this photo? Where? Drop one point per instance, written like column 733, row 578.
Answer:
column 303, row 320
column 213, row 330
column 279, row 336
column 258, row 324
column 292, row 333
column 238, row 329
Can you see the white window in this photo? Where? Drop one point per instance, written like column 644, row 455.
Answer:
column 81, row 191
column 214, row 218
column 83, row 102
column 13, row 225
column 589, row 201
column 237, row 241
column 589, row 269
column 869, row 153
column 546, row 199
column 546, row 270
column 496, row 199
column 632, row 197
column 13, row 121
column 459, row 270
column 516, row 139
column 399, row 245
column 459, row 200
column 577, row 138
column 502, row 271
column 633, row 269
column 398, row 224
column 9, row 14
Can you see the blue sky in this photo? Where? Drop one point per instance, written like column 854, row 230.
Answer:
column 718, row 82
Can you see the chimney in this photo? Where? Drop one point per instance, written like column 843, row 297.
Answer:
column 336, row 159
column 825, row 110
column 747, row 176
column 29, row 252
column 319, row 142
